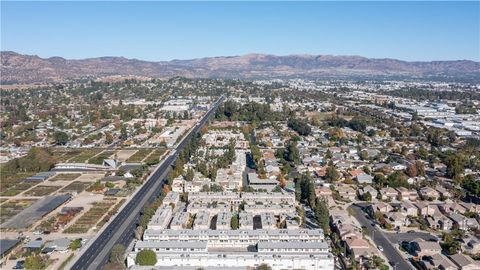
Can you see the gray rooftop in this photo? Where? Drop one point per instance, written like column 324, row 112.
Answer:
column 292, row 245
column 37, row 210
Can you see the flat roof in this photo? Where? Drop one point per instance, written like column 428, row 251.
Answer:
column 7, row 244
column 292, row 244
column 171, row 244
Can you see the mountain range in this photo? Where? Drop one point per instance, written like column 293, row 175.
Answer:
column 22, row 69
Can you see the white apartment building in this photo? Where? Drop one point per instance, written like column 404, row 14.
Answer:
column 223, row 220
column 161, row 218
column 291, row 253
column 180, row 220
column 245, row 221
column 202, row 221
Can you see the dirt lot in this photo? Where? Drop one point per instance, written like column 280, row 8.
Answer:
column 90, row 177
column 123, row 155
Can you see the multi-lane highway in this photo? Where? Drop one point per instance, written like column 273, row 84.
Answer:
column 121, row 228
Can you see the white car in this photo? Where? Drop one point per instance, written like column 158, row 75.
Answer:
column 380, row 248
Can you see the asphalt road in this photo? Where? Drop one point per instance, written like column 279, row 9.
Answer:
column 121, row 229
column 379, row 239
column 399, row 237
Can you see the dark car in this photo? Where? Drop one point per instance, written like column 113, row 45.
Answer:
column 19, row 265
column 410, row 231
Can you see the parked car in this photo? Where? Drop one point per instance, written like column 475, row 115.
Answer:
column 19, row 265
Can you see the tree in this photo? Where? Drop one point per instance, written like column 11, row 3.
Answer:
column 332, row 174
column 117, row 253
column 412, row 170
column 146, row 257
column 281, row 180
column 123, row 133
column 298, row 190
column 322, row 215
column 363, row 155
column 299, row 126
column 366, row 197
column 109, row 184
column 420, row 168
column 216, row 188
column 455, row 165
column 397, row 179
column 450, row 245
column 264, row 266
column 471, row 185
column 34, row 262
column 190, row 174
column 75, row 244
column 422, row 152
column 376, row 262
column 291, row 153
column 60, row 137
column 114, row 266
column 328, row 154
column 108, row 138
column 234, row 222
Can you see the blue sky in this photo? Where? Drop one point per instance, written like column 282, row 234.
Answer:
column 185, row 30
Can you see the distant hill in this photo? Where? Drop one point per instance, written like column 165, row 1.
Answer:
column 19, row 68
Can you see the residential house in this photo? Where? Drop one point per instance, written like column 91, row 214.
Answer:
column 438, row 261
column 323, row 192
column 428, row 193
column 397, row 219
column 443, row 192
column 473, row 246
column 346, row 192
column 409, row 209
column 426, row 208
column 360, row 248
column 471, row 207
column 422, row 248
column 464, row 262
column 388, row 193
column 437, row 221
column 364, row 178
column 463, row 222
column 398, row 166
column 406, row 194
column 379, row 207
column 368, row 189
column 454, row 207
column 320, row 171
column 348, row 231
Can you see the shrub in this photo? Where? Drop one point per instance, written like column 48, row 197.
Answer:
column 146, row 257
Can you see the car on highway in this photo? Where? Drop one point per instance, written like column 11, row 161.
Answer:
column 380, row 248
